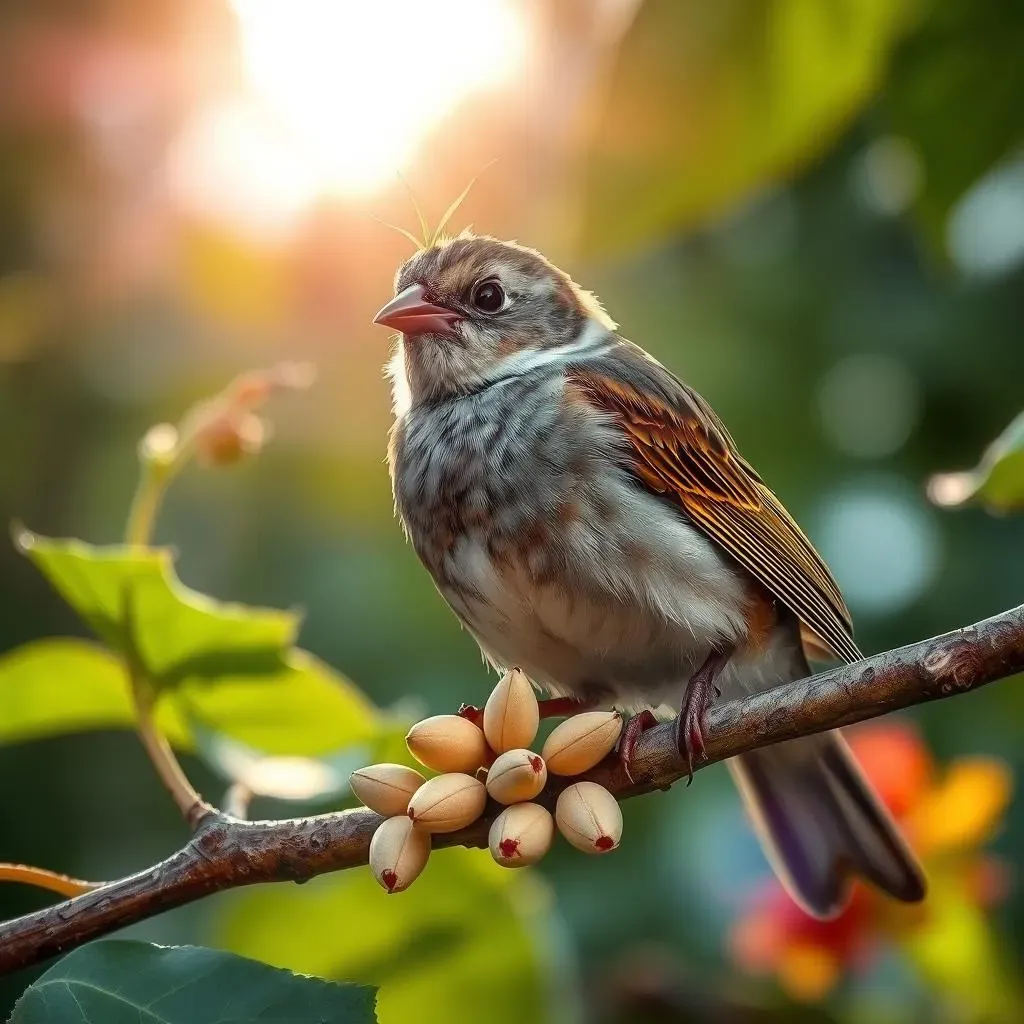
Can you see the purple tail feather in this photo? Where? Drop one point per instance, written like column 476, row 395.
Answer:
column 821, row 823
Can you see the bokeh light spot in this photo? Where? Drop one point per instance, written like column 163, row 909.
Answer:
column 985, row 231
column 869, row 405
column 358, row 87
column 889, row 176
column 336, row 100
column 881, row 542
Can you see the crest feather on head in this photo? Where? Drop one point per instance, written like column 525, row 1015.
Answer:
column 436, row 237
column 429, row 237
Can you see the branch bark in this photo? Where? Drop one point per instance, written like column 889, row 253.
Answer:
column 227, row 852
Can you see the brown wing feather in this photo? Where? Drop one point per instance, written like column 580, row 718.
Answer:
column 683, row 451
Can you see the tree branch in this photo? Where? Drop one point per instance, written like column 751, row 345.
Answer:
column 226, row 852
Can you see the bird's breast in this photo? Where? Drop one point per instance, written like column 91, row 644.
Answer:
column 492, row 466
column 550, row 551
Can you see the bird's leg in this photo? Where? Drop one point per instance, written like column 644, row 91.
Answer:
column 635, row 727
column 566, row 707
column 701, row 693
column 552, row 707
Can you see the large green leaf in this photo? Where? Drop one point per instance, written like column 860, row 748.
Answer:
column 227, row 667
column 710, row 101
column 137, row 983
column 468, row 942
column 62, row 685
column 133, row 601
column 998, row 480
column 955, row 93
column 288, row 776
column 300, row 707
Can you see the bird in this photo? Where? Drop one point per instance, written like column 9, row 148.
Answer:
column 589, row 519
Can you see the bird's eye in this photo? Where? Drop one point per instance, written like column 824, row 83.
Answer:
column 488, row 297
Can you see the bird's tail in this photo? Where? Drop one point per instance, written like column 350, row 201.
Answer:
column 821, row 823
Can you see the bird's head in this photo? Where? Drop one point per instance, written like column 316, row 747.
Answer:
column 471, row 310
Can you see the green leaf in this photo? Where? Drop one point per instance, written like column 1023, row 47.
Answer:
column 131, row 598
column 227, row 667
column 300, row 707
column 469, row 940
column 287, row 776
column 136, row 983
column 56, row 686
column 51, row 687
column 964, row 68
column 996, row 482
column 711, row 101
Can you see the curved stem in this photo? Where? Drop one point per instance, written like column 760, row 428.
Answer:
column 154, row 480
column 52, row 881
column 187, row 798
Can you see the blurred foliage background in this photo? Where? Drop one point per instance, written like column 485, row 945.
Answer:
column 813, row 210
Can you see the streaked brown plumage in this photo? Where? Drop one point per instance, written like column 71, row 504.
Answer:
column 683, row 451
column 588, row 517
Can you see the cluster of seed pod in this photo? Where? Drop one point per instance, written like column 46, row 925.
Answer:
column 491, row 759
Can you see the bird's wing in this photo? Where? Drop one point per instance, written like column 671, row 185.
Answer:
column 681, row 450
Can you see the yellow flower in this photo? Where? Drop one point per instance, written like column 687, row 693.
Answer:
column 962, row 810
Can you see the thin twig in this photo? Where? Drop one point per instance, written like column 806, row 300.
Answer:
column 52, row 881
column 155, row 476
column 185, row 796
column 236, row 800
column 226, row 853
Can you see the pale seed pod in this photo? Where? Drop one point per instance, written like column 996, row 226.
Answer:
column 589, row 817
column 515, row 776
column 580, row 742
column 521, row 835
column 386, row 788
column 447, row 803
column 447, row 743
column 398, row 853
column 511, row 714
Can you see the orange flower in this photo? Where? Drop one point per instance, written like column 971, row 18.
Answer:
column 946, row 815
column 807, row 955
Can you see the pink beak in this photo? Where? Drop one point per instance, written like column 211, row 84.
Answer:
column 410, row 313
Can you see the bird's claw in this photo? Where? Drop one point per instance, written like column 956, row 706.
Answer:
column 635, row 727
column 700, row 695
column 690, row 740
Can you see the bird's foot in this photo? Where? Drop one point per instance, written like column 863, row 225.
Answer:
column 635, row 727
column 689, row 726
column 701, row 693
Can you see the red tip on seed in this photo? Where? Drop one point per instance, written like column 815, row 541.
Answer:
column 412, row 816
column 509, row 848
column 390, row 880
column 537, row 763
column 604, row 843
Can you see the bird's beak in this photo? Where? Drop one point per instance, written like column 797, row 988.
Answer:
column 410, row 313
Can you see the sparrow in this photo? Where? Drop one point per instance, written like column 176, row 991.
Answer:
column 588, row 518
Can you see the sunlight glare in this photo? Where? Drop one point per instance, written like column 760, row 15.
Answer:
column 356, row 87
